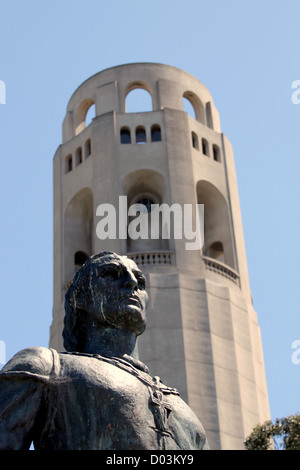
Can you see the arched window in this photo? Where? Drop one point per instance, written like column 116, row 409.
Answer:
column 138, row 100
column 155, row 133
column 205, row 148
column 80, row 258
column 84, row 114
column 144, row 231
column 140, row 135
column 195, row 142
column 69, row 163
column 78, row 231
column 2, row 92
column 147, row 202
column 216, row 153
column 193, row 106
column 145, row 187
column 218, row 238
column 125, row 136
column 78, row 156
column 216, row 251
column 88, row 148
column 189, row 108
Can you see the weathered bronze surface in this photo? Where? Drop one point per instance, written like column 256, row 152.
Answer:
column 96, row 395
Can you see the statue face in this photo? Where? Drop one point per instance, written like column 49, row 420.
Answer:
column 118, row 295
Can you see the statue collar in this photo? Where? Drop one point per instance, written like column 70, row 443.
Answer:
column 134, row 367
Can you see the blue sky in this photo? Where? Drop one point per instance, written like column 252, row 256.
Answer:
column 245, row 52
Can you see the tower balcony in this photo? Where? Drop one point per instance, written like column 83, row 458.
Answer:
column 167, row 258
column 222, row 269
column 156, row 258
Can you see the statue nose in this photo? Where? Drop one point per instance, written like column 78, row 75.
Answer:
column 130, row 281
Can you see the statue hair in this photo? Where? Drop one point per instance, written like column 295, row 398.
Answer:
column 75, row 300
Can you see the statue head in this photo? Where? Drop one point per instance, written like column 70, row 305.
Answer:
column 108, row 290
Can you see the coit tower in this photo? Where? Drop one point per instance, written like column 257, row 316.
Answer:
column 202, row 334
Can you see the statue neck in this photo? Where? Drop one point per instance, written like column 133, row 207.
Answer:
column 111, row 342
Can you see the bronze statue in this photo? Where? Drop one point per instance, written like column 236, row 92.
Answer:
column 97, row 394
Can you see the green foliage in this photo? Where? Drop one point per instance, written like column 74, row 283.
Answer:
column 283, row 434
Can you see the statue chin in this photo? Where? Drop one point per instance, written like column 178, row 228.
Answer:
column 131, row 320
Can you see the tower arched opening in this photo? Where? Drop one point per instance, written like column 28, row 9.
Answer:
column 216, row 153
column 138, row 98
column 205, row 147
column 195, row 142
column 87, row 148
column 78, row 230
column 194, row 106
column 80, row 258
column 125, row 135
column 69, row 163
column 218, row 242
column 78, row 156
column 216, row 251
column 140, row 135
column 144, row 188
column 155, row 133
column 84, row 114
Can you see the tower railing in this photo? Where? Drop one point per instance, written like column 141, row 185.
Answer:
column 157, row 258
column 220, row 268
column 165, row 258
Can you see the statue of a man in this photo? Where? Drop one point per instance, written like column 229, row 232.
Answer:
column 96, row 395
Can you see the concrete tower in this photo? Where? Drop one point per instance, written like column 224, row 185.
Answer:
column 202, row 334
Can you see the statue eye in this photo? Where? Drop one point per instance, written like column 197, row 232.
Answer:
column 110, row 273
column 141, row 282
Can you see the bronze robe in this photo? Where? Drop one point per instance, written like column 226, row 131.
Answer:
column 73, row 401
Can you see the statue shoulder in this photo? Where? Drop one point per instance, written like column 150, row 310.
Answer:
column 36, row 360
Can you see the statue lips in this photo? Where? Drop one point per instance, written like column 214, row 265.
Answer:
column 133, row 299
